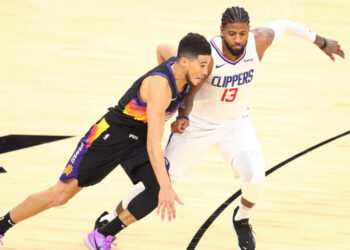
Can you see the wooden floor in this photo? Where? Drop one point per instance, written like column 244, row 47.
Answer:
column 63, row 63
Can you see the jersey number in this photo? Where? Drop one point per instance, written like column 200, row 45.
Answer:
column 229, row 95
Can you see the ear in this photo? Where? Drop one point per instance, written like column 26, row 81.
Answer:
column 221, row 29
column 184, row 61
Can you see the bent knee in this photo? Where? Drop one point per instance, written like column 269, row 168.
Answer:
column 250, row 166
column 61, row 193
column 59, row 201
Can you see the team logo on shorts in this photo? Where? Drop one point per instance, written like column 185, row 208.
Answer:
column 68, row 169
column 106, row 136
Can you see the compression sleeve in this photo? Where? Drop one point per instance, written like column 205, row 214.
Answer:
column 285, row 26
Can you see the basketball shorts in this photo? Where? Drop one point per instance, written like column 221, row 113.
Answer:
column 103, row 148
column 231, row 139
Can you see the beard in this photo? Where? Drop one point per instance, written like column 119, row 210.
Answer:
column 234, row 51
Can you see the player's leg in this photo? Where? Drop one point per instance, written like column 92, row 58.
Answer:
column 138, row 207
column 106, row 217
column 57, row 195
column 241, row 148
column 181, row 152
column 87, row 166
column 185, row 150
column 250, row 166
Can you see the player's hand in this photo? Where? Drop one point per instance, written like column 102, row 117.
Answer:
column 166, row 202
column 179, row 125
column 333, row 48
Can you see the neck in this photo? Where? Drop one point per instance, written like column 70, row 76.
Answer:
column 180, row 76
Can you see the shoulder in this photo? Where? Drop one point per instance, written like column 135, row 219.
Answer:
column 156, row 81
column 263, row 36
column 263, row 39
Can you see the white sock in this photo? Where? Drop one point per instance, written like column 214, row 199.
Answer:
column 110, row 216
column 242, row 213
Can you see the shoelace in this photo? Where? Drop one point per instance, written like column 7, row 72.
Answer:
column 108, row 244
column 251, row 229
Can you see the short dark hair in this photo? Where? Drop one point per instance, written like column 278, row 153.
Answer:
column 234, row 15
column 193, row 45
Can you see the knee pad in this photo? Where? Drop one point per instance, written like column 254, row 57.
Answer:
column 132, row 194
column 251, row 167
column 144, row 203
column 252, row 191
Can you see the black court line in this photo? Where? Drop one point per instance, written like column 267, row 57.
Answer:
column 14, row 142
column 219, row 210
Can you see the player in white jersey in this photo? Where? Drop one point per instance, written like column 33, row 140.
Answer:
column 220, row 115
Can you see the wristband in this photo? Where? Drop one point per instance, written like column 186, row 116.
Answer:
column 182, row 117
column 324, row 44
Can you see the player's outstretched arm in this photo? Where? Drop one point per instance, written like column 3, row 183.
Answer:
column 274, row 30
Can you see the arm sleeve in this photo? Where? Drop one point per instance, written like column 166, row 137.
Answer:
column 285, row 26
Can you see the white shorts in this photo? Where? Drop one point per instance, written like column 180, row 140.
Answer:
column 231, row 139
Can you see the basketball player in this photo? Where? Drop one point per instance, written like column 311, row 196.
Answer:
column 220, row 114
column 130, row 135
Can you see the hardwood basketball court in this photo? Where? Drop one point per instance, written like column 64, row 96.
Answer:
column 63, row 63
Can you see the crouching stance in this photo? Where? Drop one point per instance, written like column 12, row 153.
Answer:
column 128, row 135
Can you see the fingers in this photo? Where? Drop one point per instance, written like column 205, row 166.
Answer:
column 340, row 52
column 163, row 212
column 173, row 127
column 170, row 211
column 158, row 208
column 161, row 207
column 331, row 56
column 179, row 126
column 168, row 208
column 334, row 48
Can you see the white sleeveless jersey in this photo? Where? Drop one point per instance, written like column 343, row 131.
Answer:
column 224, row 95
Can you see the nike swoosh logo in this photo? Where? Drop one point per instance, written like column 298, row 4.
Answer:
column 174, row 99
column 97, row 247
column 218, row 66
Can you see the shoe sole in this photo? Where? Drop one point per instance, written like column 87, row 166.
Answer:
column 87, row 242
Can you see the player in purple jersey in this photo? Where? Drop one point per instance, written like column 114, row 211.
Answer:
column 220, row 106
column 130, row 135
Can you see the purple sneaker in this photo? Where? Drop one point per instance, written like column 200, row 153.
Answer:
column 1, row 243
column 97, row 241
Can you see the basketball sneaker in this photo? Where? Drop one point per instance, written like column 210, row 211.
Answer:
column 97, row 241
column 246, row 240
column 1, row 243
column 98, row 223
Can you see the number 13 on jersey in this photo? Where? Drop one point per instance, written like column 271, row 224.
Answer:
column 229, row 95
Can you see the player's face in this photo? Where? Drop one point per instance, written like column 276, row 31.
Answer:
column 198, row 69
column 235, row 37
